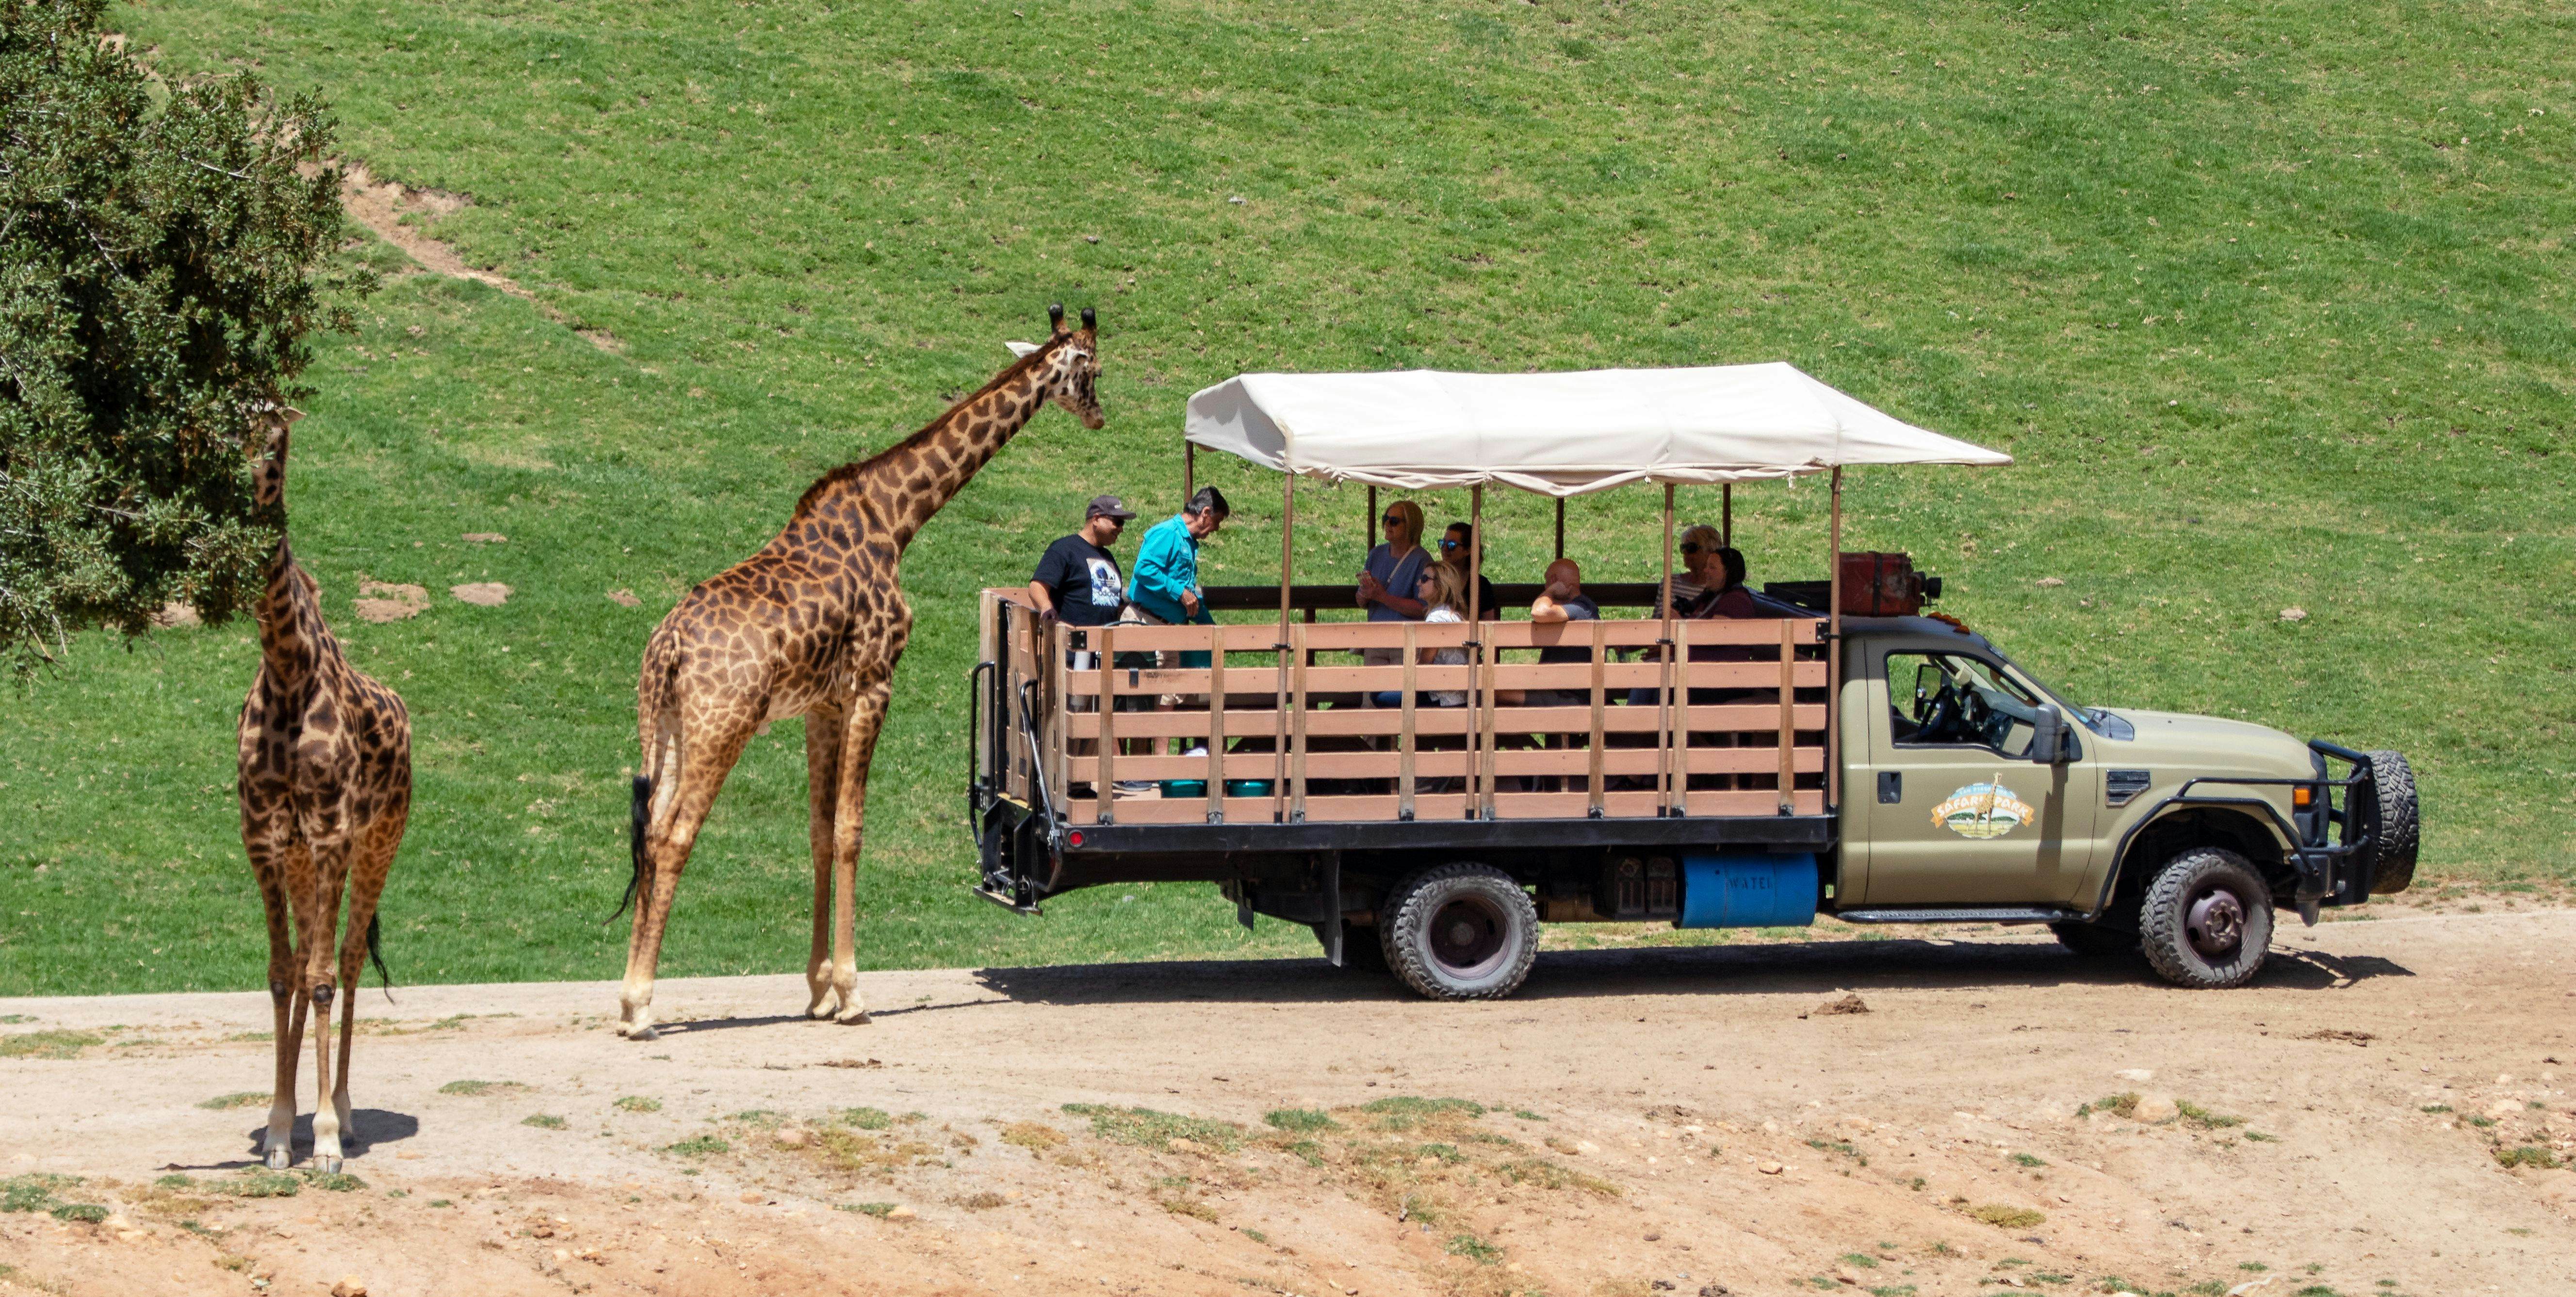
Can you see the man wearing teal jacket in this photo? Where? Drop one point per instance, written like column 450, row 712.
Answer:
column 1166, row 585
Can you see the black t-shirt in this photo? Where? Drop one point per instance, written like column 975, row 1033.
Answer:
column 1085, row 581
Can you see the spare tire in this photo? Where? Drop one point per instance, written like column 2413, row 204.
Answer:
column 2384, row 807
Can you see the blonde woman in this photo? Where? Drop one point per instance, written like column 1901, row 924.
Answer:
column 1700, row 570
column 1444, row 598
column 1393, row 569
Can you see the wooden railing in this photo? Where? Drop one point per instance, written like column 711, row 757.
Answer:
column 1730, row 721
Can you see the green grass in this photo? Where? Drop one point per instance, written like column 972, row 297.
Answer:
column 636, row 1103
column 1156, row 1130
column 1300, row 1120
column 2262, row 331
column 236, row 1099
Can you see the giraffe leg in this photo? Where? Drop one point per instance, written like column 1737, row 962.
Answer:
column 823, row 734
column 867, row 720
column 268, row 865
column 372, row 862
column 707, row 756
column 320, row 947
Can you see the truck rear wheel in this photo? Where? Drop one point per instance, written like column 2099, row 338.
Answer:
column 1460, row 932
column 2207, row 920
column 2388, row 815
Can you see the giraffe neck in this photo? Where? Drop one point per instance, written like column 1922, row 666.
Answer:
column 899, row 489
column 292, row 636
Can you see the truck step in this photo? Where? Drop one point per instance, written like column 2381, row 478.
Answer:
column 1964, row 914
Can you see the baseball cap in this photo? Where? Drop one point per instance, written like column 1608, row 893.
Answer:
column 1107, row 506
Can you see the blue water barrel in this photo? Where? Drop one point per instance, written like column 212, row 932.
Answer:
column 1748, row 889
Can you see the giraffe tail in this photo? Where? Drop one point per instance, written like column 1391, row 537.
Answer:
column 376, row 954
column 641, row 818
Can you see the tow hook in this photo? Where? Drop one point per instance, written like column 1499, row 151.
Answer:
column 2308, row 913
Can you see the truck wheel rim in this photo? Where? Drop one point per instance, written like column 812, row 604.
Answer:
column 2216, row 923
column 1468, row 937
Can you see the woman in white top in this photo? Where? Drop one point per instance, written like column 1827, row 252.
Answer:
column 1444, row 600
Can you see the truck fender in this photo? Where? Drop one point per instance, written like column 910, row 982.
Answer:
column 2243, row 828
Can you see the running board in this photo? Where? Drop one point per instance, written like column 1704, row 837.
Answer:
column 1979, row 914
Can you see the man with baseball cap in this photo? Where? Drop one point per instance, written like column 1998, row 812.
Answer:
column 1078, row 581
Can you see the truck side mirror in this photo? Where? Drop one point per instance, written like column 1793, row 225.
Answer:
column 2048, row 735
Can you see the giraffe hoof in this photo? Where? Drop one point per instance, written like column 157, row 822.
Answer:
column 639, row 1032
column 819, row 1011
column 326, row 1165
column 853, row 1018
column 279, row 1159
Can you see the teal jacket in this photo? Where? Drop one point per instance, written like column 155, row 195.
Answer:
column 1167, row 563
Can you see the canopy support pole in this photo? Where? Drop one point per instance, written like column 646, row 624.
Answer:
column 1190, row 471
column 1834, row 660
column 1726, row 515
column 1279, row 704
column 1368, row 534
column 1560, row 526
column 1475, row 647
column 1664, row 651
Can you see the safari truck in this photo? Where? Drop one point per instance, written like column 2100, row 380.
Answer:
column 1841, row 751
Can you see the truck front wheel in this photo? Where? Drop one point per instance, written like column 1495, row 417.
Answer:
column 1460, row 932
column 2207, row 920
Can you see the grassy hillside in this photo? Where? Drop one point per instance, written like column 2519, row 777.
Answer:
column 2270, row 300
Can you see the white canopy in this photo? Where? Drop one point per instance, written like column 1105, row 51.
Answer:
column 1558, row 434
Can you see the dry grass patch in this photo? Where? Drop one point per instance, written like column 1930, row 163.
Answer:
column 1034, row 1136
column 48, row 1044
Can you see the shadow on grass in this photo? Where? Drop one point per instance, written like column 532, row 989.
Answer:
column 1813, row 967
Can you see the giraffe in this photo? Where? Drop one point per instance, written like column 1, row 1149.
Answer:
column 812, row 626
column 325, row 789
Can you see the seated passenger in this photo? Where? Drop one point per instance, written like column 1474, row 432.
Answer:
column 1439, row 590
column 1563, row 601
column 1443, row 593
column 1724, row 595
column 1455, row 546
column 1697, row 554
column 1387, row 579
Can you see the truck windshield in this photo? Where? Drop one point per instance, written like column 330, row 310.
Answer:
column 2096, row 719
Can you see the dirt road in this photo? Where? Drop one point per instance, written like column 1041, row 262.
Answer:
column 1635, row 1122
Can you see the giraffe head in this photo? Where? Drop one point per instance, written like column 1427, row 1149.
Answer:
column 1068, row 366
column 268, row 491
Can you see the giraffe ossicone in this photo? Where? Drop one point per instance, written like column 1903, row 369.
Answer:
column 812, row 625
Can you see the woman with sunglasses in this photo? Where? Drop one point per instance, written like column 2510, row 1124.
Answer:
column 1700, row 572
column 1389, row 578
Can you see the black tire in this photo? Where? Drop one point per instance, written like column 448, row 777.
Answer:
column 1460, row 932
column 2207, row 920
column 2096, row 940
column 2388, row 815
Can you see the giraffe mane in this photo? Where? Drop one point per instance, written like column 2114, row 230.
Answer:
column 861, row 468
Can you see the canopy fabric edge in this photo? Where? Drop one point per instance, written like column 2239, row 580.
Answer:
column 1559, row 434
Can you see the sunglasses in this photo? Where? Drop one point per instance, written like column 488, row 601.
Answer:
column 1446, row 543
column 1393, row 520
column 1689, row 548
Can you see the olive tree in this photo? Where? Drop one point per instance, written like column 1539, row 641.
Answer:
column 163, row 261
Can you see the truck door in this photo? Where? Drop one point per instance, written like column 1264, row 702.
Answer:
column 1957, row 814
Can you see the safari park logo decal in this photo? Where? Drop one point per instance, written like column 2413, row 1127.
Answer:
column 1987, row 810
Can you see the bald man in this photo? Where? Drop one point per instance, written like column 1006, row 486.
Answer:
column 1562, row 601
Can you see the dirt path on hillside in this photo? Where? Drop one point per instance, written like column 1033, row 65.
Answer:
column 1643, row 1121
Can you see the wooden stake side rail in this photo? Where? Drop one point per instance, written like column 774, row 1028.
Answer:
column 1741, row 735
column 1447, row 806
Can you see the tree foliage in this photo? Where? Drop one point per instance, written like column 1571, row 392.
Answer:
column 162, row 255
